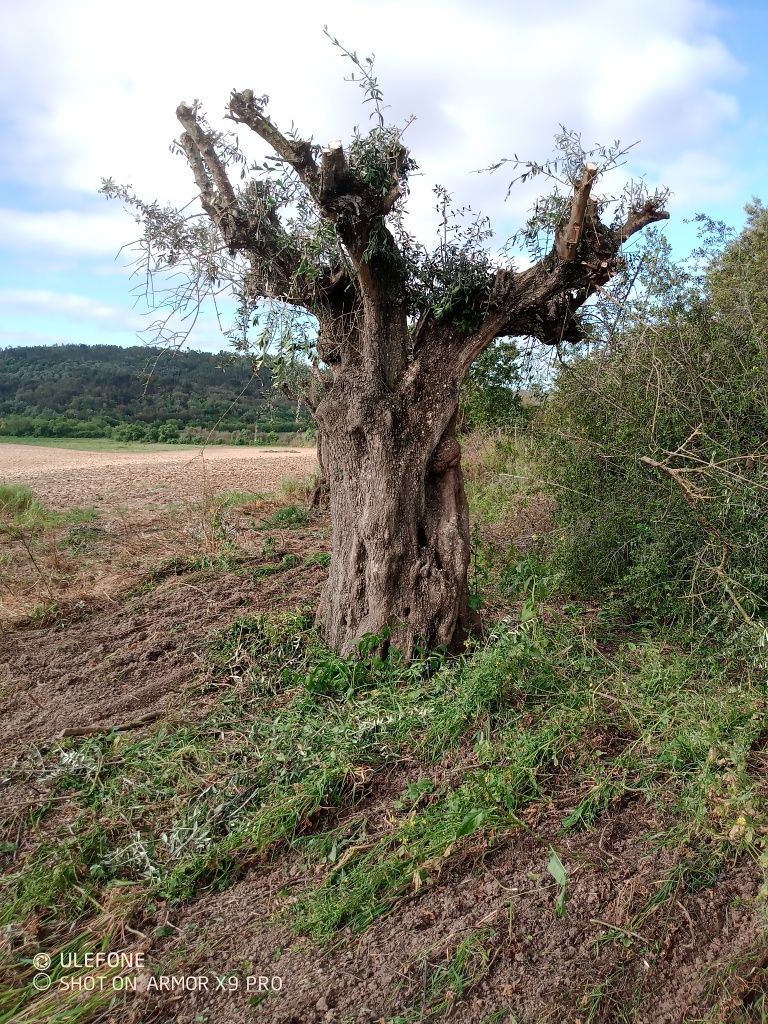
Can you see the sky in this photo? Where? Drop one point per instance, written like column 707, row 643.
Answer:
column 89, row 90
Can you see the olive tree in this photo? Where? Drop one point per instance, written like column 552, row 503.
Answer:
column 313, row 244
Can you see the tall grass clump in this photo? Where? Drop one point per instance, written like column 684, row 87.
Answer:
column 19, row 507
column 23, row 514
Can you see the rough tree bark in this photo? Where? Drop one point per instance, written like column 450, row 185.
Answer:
column 386, row 387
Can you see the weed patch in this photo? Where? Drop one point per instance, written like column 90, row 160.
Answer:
column 289, row 517
column 295, row 734
column 22, row 513
column 448, row 981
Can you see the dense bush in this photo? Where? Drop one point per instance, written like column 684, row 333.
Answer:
column 490, row 396
column 656, row 444
column 54, row 426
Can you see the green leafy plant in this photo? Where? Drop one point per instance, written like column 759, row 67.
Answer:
column 556, row 868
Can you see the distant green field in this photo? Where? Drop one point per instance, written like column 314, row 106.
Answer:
column 105, row 444
column 97, row 444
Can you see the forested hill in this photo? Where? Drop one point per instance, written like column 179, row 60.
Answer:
column 66, row 390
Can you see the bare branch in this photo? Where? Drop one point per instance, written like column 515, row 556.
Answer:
column 249, row 110
column 249, row 224
column 203, row 143
column 202, row 180
column 568, row 240
column 649, row 213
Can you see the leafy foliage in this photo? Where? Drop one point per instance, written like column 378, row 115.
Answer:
column 654, row 443
column 564, row 170
column 491, row 392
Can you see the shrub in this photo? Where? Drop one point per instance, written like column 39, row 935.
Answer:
column 490, row 396
column 655, row 448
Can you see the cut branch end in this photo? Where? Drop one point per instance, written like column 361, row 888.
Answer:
column 567, row 242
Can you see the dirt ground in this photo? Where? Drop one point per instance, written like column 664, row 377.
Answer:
column 699, row 958
column 577, row 970
column 63, row 478
column 132, row 652
column 137, row 654
column 149, row 507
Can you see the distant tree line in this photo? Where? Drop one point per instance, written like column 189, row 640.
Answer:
column 140, row 394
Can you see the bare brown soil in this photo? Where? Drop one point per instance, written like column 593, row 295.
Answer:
column 111, row 481
column 151, row 507
column 116, row 661
column 545, row 969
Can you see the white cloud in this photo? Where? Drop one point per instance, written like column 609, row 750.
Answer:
column 78, row 317
column 12, row 338
column 89, row 90
column 94, row 96
column 42, row 302
column 703, row 180
column 68, row 232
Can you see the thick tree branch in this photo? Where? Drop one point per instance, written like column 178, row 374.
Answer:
column 341, row 196
column 640, row 217
column 202, row 180
column 362, row 300
column 542, row 302
column 253, row 227
column 247, row 109
column 356, row 205
column 205, row 152
column 567, row 241
column 333, row 166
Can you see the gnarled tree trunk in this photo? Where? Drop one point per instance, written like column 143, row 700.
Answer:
column 401, row 541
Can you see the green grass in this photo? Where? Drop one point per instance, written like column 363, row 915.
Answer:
column 274, row 568
column 98, row 444
column 21, row 512
column 288, row 517
column 182, row 808
column 446, row 982
column 22, row 1003
column 681, row 749
column 19, row 504
column 297, row 727
column 322, row 558
column 233, row 499
column 106, row 444
column 500, row 478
